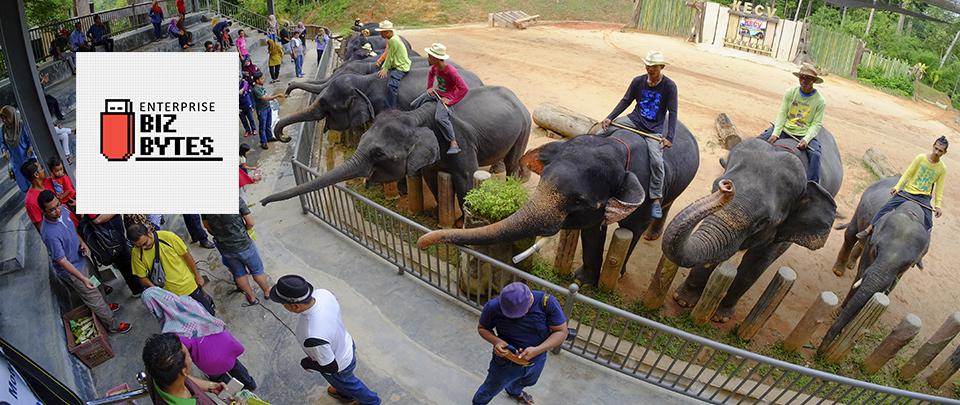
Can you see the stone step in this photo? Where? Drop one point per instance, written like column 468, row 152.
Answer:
column 13, row 232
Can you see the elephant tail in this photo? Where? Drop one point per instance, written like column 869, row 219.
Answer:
column 842, row 226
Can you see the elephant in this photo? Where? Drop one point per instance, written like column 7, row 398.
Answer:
column 762, row 203
column 377, row 42
column 352, row 100
column 587, row 183
column 491, row 125
column 898, row 242
column 361, row 67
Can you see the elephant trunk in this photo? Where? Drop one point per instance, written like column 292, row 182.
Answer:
column 713, row 241
column 312, row 113
column 541, row 216
column 876, row 280
column 312, row 87
column 353, row 168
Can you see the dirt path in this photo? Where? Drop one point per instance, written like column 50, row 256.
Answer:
column 586, row 67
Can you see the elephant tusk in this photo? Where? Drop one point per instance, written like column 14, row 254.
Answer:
column 857, row 284
column 530, row 251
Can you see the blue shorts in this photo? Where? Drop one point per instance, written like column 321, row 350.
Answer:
column 240, row 263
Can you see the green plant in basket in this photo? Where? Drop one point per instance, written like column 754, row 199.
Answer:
column 496, row 199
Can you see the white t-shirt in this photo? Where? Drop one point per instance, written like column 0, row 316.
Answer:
column 321, row 333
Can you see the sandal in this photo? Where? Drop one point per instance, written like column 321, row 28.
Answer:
column 523, row 398
column 338, row 396
column 255, row 302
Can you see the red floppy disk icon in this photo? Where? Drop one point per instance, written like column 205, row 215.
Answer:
column 116, row 130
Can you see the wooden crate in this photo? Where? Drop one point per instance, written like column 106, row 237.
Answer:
column 94, row 351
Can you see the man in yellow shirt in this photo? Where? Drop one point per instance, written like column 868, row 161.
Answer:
column 180, row 270
column 394, row 62
column 921, row 183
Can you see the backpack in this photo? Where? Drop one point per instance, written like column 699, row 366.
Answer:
column 104, row 240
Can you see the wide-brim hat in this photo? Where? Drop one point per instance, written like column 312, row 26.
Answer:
column 367, row 46
column 809, row 70
column 437, row 50
column 654, row 58
column 515, row 300
column 291, row 289
column 385, row 25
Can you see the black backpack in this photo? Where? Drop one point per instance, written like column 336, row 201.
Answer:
column 105, row 241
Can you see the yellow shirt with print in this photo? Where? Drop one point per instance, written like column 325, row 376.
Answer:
column 180, row 279
column 924, row 178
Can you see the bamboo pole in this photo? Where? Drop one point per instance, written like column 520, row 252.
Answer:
column 660, row 283
column 898, row 338
column 932, row 347
column 818, row 312
column 616, row 255
column 566, row 249
column 767, row 304
column 720, row 280
column 446, row 200
column 838, row 349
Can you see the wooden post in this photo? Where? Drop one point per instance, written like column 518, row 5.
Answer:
column 446, row 200
column 330, row 156
column 727, row 132
column 720, row 280
column 479, row 177
column 878, row 163
column 898, row 338
column 563, row 121
column 415, row 194
column 616, row 255
column 566, row 248
column 932, row 347
column 768, row 303
column 660, row 283
column 390, row 190
column 945, row 371
column 818, row 312
column 868, row 315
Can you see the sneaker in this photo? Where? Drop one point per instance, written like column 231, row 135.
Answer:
column 656, row 211
column 123, row 327
column 863, row 234
column 264, row 146
column 114, row 307
column 454, row 149
column 207, row 244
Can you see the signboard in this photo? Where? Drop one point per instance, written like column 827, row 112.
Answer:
column 752, row 27
column 753, row 9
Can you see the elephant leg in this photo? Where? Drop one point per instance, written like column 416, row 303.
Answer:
column 855, row 254
column 633, row 244
column 511, row 162
column 655, row 229
column 430, row 176
column 592, row 240
column 843, row 257
column 689, row 292
column 755, row 262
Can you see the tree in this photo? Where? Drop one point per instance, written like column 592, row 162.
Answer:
column 41, row 12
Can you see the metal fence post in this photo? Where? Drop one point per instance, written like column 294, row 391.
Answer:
column 298, row 179
column 572, row 291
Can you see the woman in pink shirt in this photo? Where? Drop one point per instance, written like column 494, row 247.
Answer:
column 241, row 43
column 450, row 89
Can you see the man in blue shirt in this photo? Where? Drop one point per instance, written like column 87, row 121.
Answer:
column 78, row 40
column 98, row 34
column 656, row 114
column 527, row 325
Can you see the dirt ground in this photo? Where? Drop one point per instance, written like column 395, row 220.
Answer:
column 587, row 66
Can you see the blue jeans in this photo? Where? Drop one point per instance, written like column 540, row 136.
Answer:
column 898, row 199
column 266, row 118
column 298, row 64
column 239, row 263
column 813, row 154
column 504, row 374
column 441, row 115
column 195, row 227
column 349, row 385
column 393, row 87
column 156, row 31
column 248, row 120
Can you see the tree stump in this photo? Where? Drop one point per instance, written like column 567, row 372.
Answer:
column 563, row 121
column 898, row 338
column 479, row 177
column 415, row 194
column 717, row 286
column 868, row 315
column 818, row 312
column 768, row 303
column 616, row 255
column 932, row 347
column 878, row 164
column 660, row 283
column 946, row 370
column 478, row 277
column 727, row 132
column 446, row 200
column 566, row 249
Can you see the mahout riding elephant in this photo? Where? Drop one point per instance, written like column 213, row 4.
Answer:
column 898, row 242
column 491, row 125
column 352, row 100
column 361, row 67
column 762, row 203
column 356, row 41
column 587, row 183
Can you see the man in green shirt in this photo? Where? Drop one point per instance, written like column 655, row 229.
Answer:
column 801, row 117
column 394, row 62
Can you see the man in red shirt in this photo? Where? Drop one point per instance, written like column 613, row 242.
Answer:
column 450, row 89
column 33, row 172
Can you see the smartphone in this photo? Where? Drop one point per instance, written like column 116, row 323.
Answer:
column 512, row 349
column 233, row 387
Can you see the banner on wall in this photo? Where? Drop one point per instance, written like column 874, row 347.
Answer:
column 752, row 27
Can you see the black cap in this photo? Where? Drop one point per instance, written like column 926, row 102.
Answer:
column 291, row 289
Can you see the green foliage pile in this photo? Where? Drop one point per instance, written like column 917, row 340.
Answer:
column 496, row 199
column 873, row 75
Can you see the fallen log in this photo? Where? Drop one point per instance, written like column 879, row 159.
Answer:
column 522, row 23
column 878, row 164
column 727, row 132
column 563, row 121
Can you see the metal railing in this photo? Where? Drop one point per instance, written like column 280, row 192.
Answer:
column 238, row 13
column 612, row 337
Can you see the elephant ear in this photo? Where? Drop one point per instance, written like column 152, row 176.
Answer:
column 537, row 159
column 366, row 104
column 425, row 150
column 625, row 200
column 810, row 222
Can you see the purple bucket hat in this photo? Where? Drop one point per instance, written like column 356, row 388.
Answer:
column 515, row 300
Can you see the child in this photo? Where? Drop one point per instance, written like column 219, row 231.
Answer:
column 244, row 150
column 246, row 109
column 262, row 101
column 60, row 183
column 63, row 134
column 242, row 45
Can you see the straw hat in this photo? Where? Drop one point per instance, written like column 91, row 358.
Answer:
column 655, row 58
column 809, row 70
column 385, row 25
column 437, row 50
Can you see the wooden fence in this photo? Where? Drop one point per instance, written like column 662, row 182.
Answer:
column 832, row 50
column 667, row 17
column 891, row 68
